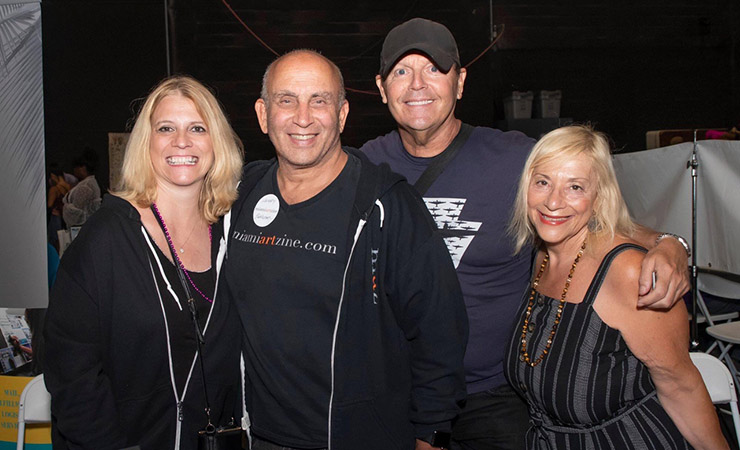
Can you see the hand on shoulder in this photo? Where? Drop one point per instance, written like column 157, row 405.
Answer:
column 668, row 259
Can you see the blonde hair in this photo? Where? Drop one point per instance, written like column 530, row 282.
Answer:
column 138, row 183
column 610, row 211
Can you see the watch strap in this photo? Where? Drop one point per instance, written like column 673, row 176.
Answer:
column 438, row 439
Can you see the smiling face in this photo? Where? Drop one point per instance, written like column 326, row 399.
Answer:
column 180, row 145
column 419, row 96
column 560, row 200
column 303, row 112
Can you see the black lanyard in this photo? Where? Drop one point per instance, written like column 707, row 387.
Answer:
column 439, row 162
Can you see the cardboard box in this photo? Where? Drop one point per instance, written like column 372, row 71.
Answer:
column 518, row 105
column 547, row 104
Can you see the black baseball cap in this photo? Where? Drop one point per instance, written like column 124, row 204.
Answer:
column 428, row 37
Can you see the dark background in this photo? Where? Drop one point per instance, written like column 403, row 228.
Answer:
column 627, row 67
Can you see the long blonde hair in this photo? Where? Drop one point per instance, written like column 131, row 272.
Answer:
column 611, row 215
column 138, row 183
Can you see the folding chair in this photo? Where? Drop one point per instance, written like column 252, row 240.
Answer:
column 719, row 383
column 712, row 319
column 727, row 334
column 34, row 407
column 719, row 286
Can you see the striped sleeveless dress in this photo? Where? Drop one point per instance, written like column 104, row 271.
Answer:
column 590, row 391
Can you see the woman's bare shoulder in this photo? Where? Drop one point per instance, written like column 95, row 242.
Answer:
column 617, row 298
column 625, row 268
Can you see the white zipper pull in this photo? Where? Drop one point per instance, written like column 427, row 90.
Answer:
column 179, row 411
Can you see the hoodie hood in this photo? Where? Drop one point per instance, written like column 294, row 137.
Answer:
column 374, row 183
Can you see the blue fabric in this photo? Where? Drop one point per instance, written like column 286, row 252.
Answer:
column 471, row 202
column 12, row 446
column 52, row 263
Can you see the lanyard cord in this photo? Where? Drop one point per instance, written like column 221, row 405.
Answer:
column 199, row 338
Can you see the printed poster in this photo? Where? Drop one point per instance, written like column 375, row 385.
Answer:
column 38, row 436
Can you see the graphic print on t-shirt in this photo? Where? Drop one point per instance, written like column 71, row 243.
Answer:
column 458, row 234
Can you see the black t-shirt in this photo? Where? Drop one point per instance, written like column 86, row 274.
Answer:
column 287, row 261
column 179, row 321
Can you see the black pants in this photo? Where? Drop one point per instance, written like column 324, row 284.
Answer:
column 496, row 419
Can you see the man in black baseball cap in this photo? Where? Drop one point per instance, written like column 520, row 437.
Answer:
column 467, row 176
column 421, row 79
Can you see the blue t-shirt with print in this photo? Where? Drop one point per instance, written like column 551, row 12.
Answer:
column 471, row 202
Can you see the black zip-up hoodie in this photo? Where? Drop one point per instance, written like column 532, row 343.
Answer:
column 397, row 358
column 107, row 364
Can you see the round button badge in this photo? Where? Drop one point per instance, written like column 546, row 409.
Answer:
column 266, row 210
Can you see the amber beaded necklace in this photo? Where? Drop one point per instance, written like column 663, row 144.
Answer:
column 524, row 355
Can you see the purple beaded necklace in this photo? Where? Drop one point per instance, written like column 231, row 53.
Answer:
column 174, row 252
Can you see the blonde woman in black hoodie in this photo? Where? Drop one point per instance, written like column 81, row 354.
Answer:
column 121, row 366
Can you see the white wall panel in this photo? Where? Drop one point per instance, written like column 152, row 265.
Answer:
column 23, row 273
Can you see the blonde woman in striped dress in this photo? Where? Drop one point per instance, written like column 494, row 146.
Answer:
column 596, row 371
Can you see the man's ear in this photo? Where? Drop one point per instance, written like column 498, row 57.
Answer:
column 461, row 82
column 261, row 109
column 343, row 113
column 379, row 83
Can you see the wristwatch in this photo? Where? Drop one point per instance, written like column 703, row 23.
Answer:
column 438, row 439
column 680, row 240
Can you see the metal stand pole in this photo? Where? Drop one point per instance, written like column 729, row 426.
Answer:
column 693, row 164
column 167, row 36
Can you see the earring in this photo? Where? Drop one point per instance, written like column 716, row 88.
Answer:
column 593, row 223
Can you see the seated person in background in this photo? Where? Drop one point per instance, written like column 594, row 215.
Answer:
column 84, row 199
column 18, row 347
column 120, row 359
column 70, row 179
column 596, row 371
